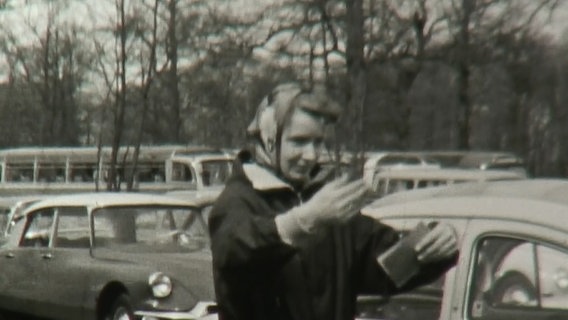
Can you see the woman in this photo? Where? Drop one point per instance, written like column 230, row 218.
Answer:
column 289, row 244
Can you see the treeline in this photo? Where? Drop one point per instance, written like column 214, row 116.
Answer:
column 412, row 74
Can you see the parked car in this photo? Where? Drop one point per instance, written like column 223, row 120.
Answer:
column 483, row 160
column 513, row 252
column 203, row 169
column 109, row 256
column 392, row 160
column 391, row 181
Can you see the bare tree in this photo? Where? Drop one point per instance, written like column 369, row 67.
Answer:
column 52, row 64
column 172, row 73
column 475, row 25
column 148, row 72
column 357, row 89
column 114, row 178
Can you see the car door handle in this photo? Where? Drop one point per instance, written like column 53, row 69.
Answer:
column 10, row 255
column 47, row 256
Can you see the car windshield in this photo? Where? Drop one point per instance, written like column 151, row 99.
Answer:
column 144, row 229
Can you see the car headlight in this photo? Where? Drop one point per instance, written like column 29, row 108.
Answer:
column 561, row 278
column 161, row 284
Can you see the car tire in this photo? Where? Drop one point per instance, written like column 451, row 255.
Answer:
column 121, row 309
column 514, row 289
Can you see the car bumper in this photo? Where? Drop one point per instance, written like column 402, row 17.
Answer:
column 200, row 311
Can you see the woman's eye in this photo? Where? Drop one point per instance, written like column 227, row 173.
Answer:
column 300, row 141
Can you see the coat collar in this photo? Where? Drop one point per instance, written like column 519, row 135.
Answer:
column 263, row 179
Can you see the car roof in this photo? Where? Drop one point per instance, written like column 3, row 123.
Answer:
column 372, row 158
column 204, row 156
column 475, row 159
column 414, row 173
column 110, row 199
column 537, row 201
column 9, row 201
column 205, row 196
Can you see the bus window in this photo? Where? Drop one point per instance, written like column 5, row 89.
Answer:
column 119, row 176
column 423, row 183
column 49, row 172
column 82, row 172
column 151, row 173
column 21, row 172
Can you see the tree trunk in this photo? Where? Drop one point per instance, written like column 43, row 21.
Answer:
column 113, row 183
column 173, row 79
column 463, row 73
column 357, row 87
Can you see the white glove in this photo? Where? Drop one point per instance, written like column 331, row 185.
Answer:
column 336, row 202
column 440, row 243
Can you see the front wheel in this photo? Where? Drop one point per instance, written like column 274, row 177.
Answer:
column 121, row 309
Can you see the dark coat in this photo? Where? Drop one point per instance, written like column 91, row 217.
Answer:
column 259, row 277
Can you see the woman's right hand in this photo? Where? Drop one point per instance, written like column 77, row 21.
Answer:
column 336, row 202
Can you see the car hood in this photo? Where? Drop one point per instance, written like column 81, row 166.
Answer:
column 189, row 271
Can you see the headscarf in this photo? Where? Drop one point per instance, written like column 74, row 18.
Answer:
column 274, row 110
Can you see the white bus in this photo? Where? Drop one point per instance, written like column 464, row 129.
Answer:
column 34, row 170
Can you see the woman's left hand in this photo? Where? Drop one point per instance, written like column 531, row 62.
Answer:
column 439, row 243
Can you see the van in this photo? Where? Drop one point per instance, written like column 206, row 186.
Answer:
column 394, row 160
column 483, row 160
column 387, row 182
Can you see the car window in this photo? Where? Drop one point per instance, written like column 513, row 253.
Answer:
column 193, row 224
column 38, row 230
column 392, row 159
column 515, row 274
column 72, row 228
column 380, row 186
column 216, row 172
column 384, row 186
column 150, row 229
column 4, row 217
column 397, row 185
column 181, row 172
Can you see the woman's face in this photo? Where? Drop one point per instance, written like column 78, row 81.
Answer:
column 301, row 145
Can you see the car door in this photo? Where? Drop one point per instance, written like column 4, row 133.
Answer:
column 68, row 264
column 25, row 289
column 516, row 271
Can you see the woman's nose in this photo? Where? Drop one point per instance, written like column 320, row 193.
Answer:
column 310, row 152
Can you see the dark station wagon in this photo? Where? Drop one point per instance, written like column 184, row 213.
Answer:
column 109, row 256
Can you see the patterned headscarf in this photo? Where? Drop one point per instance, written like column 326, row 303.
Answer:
column 267, row 126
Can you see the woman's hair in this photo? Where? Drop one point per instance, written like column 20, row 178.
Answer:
column 278, row 105
column 276, row 109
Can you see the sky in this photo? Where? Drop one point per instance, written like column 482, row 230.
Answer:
column 559, row 21
column 93, row 12
column 27, row 14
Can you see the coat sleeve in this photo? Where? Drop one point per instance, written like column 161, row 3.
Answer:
column 373, row 238
column 243, row 237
